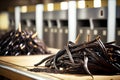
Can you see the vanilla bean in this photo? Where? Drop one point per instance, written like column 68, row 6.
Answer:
column 92, row 57
column 21, row 42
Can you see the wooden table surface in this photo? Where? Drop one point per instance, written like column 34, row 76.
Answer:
column 29, row 61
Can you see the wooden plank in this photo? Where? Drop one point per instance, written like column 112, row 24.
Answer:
column 29, row 61
column 26, row 61
column 11, row 75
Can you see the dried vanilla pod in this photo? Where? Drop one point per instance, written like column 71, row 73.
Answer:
column 21, row 42
column 92, row 57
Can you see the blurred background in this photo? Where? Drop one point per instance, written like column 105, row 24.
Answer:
column 60, row 21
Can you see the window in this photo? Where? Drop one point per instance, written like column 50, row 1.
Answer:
column 81, row 4
column 64, row 5
column 97, row 3
column 50, row 7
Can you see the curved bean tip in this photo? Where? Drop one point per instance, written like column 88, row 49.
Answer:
column 98, row 37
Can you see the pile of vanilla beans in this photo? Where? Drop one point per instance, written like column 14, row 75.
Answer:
column 21, row 42
column 90, row 57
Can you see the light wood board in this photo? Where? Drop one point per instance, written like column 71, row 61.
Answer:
column 29, row 61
